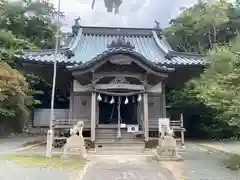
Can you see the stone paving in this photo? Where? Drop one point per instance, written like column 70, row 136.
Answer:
column 202, row 164
column 126, row 168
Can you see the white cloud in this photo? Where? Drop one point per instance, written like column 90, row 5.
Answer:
column 133, row 13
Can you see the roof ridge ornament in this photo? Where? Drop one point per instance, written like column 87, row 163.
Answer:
column 120, row 42
column 158, row 29
column 76, row 26
column 76, row 21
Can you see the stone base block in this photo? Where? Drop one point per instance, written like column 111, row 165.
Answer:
column 169, row 158
column 167, row 154
column 151, row 143
column 75, row 145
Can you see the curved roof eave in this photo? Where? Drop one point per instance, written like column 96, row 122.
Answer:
column 114, row 51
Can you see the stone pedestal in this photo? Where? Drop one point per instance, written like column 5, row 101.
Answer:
column 75, row 145
column 167, row 149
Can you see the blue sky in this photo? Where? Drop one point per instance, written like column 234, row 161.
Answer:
column 133, row 13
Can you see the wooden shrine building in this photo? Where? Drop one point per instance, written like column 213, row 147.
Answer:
column 117, row 79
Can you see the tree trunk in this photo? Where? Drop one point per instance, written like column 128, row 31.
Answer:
column 214, row 36
column 210, row 40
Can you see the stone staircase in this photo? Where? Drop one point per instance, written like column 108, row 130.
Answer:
column 107, row 138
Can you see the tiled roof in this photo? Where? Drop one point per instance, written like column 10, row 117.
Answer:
column 115, row 51
column 179, row 58
column 93, row 41
column 45, row 56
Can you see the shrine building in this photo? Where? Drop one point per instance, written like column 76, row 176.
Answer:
column 117, row 80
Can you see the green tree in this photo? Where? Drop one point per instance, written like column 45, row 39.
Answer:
column 219, row 86
column 210, row 100
column 31, row 20
column 12, row 46
column 15, row 96
column 198, row 28
column 20, row 30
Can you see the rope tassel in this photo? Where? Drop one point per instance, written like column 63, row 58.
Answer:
column 112, row 100
column 139, row 98
column 126, row 101
column 99, row 98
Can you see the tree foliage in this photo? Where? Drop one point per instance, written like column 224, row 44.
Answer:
column 198, row 28
column 212, row 100
column 30, row 20
column 12, row 46
column 219, row 86
column 14, row 91
column 24, row 24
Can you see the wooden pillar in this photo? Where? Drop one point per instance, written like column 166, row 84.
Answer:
column 119, row 119
column 71, row 106
column 140, row 113
column 164, row 101
column 182, row 131
column 145, row 109
column 93, row 116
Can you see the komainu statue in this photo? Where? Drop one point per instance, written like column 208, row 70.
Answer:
column 166, row 131
column 75, row 143
column 77, row 129
column 166, row 143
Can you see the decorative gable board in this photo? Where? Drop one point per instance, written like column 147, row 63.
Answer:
column 156, row 88
column 77, row 87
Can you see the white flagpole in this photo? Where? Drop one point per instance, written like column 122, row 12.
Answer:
column 57, row 40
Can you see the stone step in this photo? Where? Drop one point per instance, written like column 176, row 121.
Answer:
column 106, row 130
column 107, row 153
column 122, row 150
column 114, row 136
column 103, row 130
column 119, row 145
column 107, row 147
column 119, row 152
column 119, row 141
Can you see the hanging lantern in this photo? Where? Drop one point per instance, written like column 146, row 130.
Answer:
column 139, row 98
column 99, row 98
column 112, row 100
column 105, row 99
column 126, row 101
column 133, row 99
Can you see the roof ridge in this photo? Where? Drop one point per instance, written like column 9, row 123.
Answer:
column 175, row 53
column 61, row 50
column 76, row 40
column 116, row 31
column 117, row 27
column 116, row 35
column 159, row 44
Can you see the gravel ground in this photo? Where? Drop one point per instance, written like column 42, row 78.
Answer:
column 232, row 147
column 8, row 145
column 201, row 164
column 11, row 171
